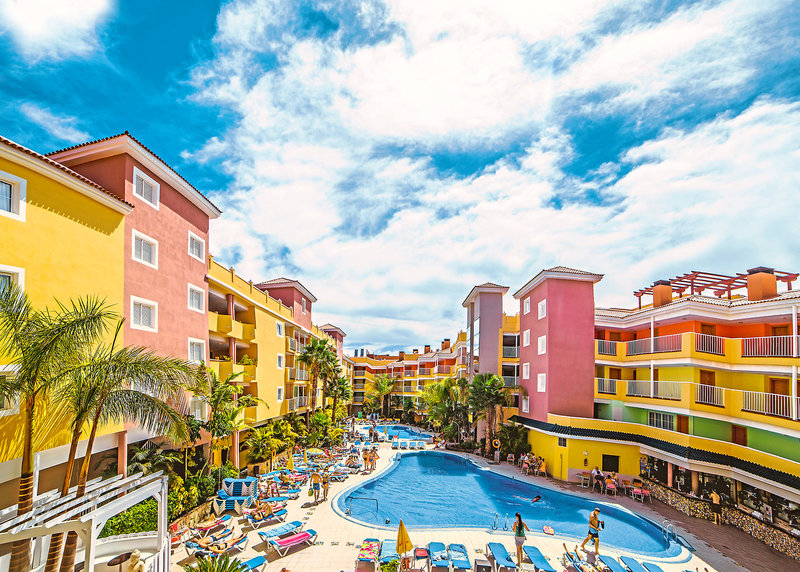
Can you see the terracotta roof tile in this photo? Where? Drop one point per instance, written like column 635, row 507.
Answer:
column 568, row 270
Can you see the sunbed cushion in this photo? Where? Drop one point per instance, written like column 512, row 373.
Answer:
column 459, row 557
column 632, row 564
column 611, row 563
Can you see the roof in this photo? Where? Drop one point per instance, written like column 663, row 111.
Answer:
column 332, row 328
column 148, row 150
column 568, row 270
column 65, row 169
column 560, row 272
column 286, row 282
column 486, row 286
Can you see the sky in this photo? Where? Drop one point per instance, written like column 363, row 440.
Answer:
column 391, row 155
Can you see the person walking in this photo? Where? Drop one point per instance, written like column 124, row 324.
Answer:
column 716, row 507
column 326, row 483
column 316, row 484
column 594, row 531
column 519, row 529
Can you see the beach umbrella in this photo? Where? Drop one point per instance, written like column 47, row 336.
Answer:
column 305, row 456
column 403, row 541
column 290, row 461
column 313, row 452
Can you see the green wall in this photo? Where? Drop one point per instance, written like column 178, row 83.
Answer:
column 774, row 443
column 711, row 429
column 634, row 415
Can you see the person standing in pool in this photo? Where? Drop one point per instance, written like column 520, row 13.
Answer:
column 519, row 529
column 594, row 531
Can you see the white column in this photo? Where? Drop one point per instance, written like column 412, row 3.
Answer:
column 794, row 392
column 794, row 331
column 162, row 514
column 652, row 378
column 89, row 539
column 36, row 461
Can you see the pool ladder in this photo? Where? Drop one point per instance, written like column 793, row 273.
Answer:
column 349, row 509
column 668, row 531
column 496, row 522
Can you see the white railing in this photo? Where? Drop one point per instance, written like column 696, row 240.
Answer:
column 709, row 344
column 774, row 346
column 442, row 369
column 655, row 389
column 425, row 371
column 607, row 385
column 463, row 360
column 292, row 344
column 661, row 344
column 709, row 395
column 510, row 352
column 300, row 347
column 410, row 373
column 606, row 347
column 767, row 403
column 510, row 380
column 421, row 387
column 290, row 371
column 301, row 375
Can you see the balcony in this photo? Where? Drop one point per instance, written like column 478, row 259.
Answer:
column 463, row 360
column 670, row 390
column 301, row 375
column 708, row 344
column 420, row 387
column 768, row 404
column 607, row 386
column 510, row 381
column 510, row 352
column 291, row 345
column 709, row 395
column 300, row 347
column 443, row 369
column 297, row 402
column 410, row 373
column 774, row 346
column 606, row 347
column 358, row 387
column 660, row 344
column 425, row 371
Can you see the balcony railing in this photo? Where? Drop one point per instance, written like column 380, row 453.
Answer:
column 656, row 389
column 421, row 387
column 290, row 371
column 358, row 387
column 300, row 347
column 463, row 360
column 774, row 346
column 607, row 386
column 708, row 344
column 709, row 395
column 291, row 343
column 511, row 380
column 301, row 375
column 442, row 369
column 410, row 373
column 767, row 403
column 606, row 347
column 656, row 345
column 510, row 352
column 425, row 370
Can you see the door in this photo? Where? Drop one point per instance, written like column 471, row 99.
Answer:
column 708, row 329
column 782, row 344
column 779, row 386
column 707, row 377
column 739, row 435
column 614, row 373
column 683, row 424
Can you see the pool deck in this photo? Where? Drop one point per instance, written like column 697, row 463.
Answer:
column 338, row 538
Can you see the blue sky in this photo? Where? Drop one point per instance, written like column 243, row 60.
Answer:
column 392, row 154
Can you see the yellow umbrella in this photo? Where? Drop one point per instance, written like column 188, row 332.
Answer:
column 290, row 461
column 305, row 456
column 403, row 541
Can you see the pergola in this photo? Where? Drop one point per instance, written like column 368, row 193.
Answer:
column 696, row 282
column 87, row 515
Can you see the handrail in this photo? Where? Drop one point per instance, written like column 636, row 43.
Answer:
column 349, row 508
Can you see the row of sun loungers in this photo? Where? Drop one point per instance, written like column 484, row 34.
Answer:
column 398, row 444
column 631, row 564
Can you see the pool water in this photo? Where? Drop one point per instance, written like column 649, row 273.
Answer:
column 401, row 432
column 440, row 490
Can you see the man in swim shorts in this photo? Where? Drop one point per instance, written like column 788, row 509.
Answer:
column 316, row 485
column 594, row 531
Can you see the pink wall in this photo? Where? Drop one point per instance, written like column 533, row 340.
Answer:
column 490, row 306
column 291, row 297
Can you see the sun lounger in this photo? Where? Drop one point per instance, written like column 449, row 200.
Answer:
column 238, row 546
column 538, row 560
column 395, row 444
column 652, row 567
column 204, row 529
column 282, row 545
column 254, row 564
column 281, row 530
column 501, row 557
column 632, row 564
column 368, row 551
column 412, row 444
column 459, row 557
column 388, row 551
column 403, row 444
column 277, row 516
column 438, row 555
column 611, row 563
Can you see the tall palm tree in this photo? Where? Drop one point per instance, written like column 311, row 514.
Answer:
column 486, row 393
column 381, row 386
column 317, row 357
column 39, row 344
column 330, row 370
column 446, row 403
column 262, row 443
column 340, row 389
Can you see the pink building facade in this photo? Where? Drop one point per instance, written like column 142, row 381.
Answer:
column 292, row 294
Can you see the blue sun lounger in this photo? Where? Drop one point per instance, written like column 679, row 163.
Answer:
column 611, row 563
column 652, row 567
column 459, row 557
column 537, row 559
column 254, row 564
column 388, row 551
column 278, row 531
column 439, row 557
column 403, row 445
column 395, row 444
column 501, row 556
column 632, row 564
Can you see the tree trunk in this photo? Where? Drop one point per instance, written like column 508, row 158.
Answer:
column 68, row 560
column 21, row 549
column 333, row 413
column 57, row 540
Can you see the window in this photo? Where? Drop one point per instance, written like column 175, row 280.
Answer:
column 526, row 371
column 542, row 308
column 303, row 305
column 610, row 463
column 562, row 441
column 280, row 394
column 280, row 361
column 144, row 314
column 541, row 382
column 197, row 247
column 197, row 299
column 542, row 344
column 526, row 305
column 526, row 401
column 661, row 420
column 526, row 338
column 197, row 408
column 10, row 274
column 13, row 191
column 145, row 249
column 146, row 188
column 197, row 351
column 279, row 329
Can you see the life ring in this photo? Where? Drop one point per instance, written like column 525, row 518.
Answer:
column 548, row 530
column 496, row 443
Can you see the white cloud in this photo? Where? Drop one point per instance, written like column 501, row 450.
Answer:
column 53, row 29
column 60, row 127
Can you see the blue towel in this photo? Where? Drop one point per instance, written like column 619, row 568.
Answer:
column 459, row 557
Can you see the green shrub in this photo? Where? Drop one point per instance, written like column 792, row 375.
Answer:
column 391, row 566
column 140, row 517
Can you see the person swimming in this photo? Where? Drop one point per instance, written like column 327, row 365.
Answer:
column 535, row 499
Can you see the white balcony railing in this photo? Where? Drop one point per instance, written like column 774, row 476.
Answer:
column 292, row 344
column 410, row 373
column 511, row 380
column 709, row 344
column 767, row 403
column 463, row 360
column 660, row 344
column 510, row 352
column 442, row 369
column 607, row 386
column 606, row 347
column 656, row 389
column 425, row 371
column 301, row 375
column 709, row 395
column 774, row 346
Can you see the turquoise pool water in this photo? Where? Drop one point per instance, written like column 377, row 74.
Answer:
column 401, row 432
column 432, row 489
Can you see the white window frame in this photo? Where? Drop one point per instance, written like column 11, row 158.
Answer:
column 137, row 172
column 279, row 329
column 541, row 308
column 189, row 246
column 136, row 234
column 541, row 345
column 13, row 409
column 541, row 382
column 154, row 304
column 17, row 274
column 659, row 419
column 189, row 350
column 526, row 338
column 280, row 394
column 303, row 304
column 193, row 288
column 526, row 370
column 280, row 361
column 526, row 305
column 525, row 404
column 193, row 404
column 19, row 196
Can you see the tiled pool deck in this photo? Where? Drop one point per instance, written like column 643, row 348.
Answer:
column 338, row 540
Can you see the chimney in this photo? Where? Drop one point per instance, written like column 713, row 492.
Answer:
column 662, row 293
column 402, row 356
column 761, row 283
column 416, row 351
column 446, row 343
column 427, row 349
column 362, row 352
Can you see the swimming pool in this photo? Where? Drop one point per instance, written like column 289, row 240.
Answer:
column 441, row 490
column 399, row 431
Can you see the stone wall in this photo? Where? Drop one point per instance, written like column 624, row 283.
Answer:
column 197, row 514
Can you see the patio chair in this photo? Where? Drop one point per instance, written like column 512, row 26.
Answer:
column 500, row 557
column 283, row 545
column 369, row 551
column 404, row 444
column 438, row 556
column 538, row 560
column 459, row 557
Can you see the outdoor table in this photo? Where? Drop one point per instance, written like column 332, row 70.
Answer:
column 118, row 560
column 586, row 478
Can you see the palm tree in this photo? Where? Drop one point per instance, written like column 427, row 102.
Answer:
column 262, row 443
column 380, row 386
column 149, row 458
column 446, row 403
column 316, row 355
column 218, row 564
column 340, row 389
column 486, row 392
column 409, row 410
column 39, row 344
column 513, row 438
